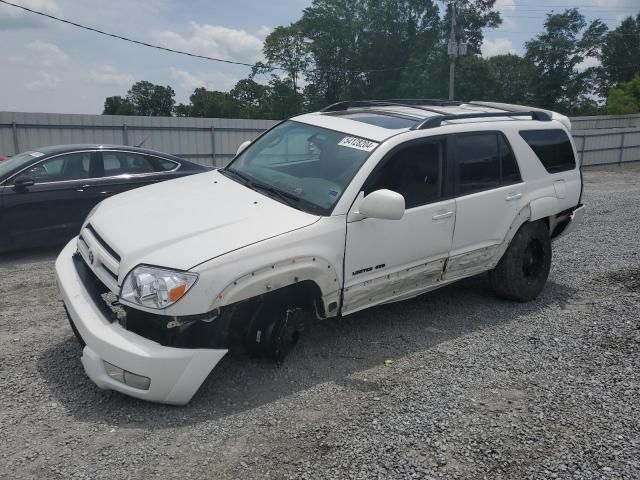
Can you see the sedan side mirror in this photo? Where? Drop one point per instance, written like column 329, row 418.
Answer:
column 383, row 204
column 242, row 146
column 23, row 181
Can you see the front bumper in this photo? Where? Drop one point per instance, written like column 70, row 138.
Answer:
column 175, row 373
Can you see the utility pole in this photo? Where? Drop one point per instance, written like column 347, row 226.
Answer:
column 455, row 47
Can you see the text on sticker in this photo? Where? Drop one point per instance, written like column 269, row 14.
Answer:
column 359, row 143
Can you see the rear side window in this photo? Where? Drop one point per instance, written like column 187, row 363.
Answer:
column 485, row 161
column 552, row 147
column 478, row 159
column 509, row 172
column 126, row 163
column 161, row 164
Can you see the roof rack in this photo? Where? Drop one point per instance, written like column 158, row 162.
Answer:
column 433, row 122
column 342, row 106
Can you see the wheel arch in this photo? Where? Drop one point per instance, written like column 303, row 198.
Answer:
column 304, row 279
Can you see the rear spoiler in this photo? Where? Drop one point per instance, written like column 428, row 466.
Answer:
column 563, row 119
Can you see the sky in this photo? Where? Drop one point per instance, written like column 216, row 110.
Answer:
column 48, row 66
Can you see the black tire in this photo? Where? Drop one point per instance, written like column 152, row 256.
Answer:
column 274, row 330
column 522, row 271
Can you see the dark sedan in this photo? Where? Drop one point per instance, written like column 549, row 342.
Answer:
column 46, row 194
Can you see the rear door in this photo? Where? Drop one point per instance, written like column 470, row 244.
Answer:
column 52, row 209
column 488, row 190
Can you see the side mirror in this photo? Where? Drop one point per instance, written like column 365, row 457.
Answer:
column 23, row 181
column 383, row 204
column 242, row 146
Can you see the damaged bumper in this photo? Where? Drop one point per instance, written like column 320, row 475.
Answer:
column 572, row 222
column 174, row 374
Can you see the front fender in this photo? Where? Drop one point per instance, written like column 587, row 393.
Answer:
column 283, row 274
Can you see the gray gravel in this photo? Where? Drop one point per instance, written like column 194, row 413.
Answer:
column 478, row 387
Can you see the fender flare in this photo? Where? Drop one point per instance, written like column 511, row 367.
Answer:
column 274, row 276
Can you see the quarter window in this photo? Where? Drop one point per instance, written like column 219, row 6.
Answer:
column 414, row 171
column 74, row 166
column 552, row 147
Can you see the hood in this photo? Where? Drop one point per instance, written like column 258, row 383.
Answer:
column 184, row 222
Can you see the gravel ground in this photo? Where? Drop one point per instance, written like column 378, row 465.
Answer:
column 478, row 387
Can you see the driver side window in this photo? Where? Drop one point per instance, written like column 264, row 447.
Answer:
column 73, row 166
column 414, row 171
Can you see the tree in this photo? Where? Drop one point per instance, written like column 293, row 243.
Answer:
column 620, row 54
column 624, row 99
column 151, row 100
column 252, row 98
column 513, row 79
column 558, row 52
column 118, row 106
column 285, row 48
column 212, row 104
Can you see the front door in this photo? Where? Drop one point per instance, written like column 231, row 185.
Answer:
column 392, row 259
column 52, row 209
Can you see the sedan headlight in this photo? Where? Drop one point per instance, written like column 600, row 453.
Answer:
column 154, row 287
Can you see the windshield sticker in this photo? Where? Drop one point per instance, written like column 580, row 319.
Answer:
column 358, row 143
column 333, row 193
column 36, row 154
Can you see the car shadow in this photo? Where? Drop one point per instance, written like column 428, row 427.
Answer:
column 31, row 255
column 334, row 350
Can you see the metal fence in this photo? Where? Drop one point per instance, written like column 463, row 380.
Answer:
column 214, row 141
column 208, row 141
column 607, row 139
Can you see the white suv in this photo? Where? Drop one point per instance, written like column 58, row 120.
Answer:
column 325, row 214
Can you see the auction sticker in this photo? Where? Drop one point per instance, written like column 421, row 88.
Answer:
column 358, row 143
column 36, row 154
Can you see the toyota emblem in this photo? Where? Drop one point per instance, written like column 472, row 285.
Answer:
column 90, row 257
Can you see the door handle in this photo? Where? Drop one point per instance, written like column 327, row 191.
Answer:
column 513, row 196
column 442, row 216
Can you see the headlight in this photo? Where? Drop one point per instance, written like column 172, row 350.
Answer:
column 154, row 287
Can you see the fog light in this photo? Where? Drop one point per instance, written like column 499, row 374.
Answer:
column 114, row 372
column 136, row 381
column 128, row 378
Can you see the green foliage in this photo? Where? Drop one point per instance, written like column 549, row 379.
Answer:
column 118, row 106
column 143, row 98
column 356, row 49
column 620, row 54
column 557, row 54
column 624, row 99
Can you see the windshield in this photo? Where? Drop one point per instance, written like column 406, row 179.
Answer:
column 17, row 161
column 305, row 166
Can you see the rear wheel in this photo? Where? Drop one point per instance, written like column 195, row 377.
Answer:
column 523, row 270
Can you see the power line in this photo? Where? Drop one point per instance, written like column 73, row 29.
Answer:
column 131, row 40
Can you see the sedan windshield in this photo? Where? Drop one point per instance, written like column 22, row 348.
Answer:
column 17, row 161
column 305, row 166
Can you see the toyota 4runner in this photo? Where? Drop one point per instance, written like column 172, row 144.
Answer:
column 323, row 215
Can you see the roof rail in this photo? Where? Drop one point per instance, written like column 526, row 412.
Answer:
column 411, row 103
column 433, row 122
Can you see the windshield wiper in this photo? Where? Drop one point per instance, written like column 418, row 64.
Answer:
column 234, row 173
column 288, row 198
